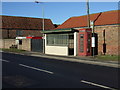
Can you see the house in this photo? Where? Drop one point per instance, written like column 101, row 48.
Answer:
column 106, row 28
column 24, row 32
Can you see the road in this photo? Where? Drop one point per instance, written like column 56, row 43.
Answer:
column 20, row 71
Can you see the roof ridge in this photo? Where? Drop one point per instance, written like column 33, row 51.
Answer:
column 94, row 13
column 23, row 17
column 81, row 21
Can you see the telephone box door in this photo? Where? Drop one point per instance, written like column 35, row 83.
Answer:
column 84, row 42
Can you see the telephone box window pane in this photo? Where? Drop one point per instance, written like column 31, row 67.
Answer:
column 81, row 36
column 81, row 42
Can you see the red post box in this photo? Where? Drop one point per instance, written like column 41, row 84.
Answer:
column 84, row 42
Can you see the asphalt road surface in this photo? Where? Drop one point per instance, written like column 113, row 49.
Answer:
column 19, row 71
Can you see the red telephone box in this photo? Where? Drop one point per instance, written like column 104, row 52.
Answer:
column 84, row 42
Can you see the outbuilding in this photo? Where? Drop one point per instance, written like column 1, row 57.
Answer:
column 26, row 29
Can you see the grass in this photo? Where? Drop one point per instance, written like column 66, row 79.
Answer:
column 99, row 57
column 108, row 57
column 12, row 50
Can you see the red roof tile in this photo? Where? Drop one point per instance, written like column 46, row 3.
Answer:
column 103, row 18
column 25, row 23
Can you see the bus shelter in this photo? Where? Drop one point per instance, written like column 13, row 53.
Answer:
column 67, row 42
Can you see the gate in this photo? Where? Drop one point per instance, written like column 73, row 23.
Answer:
column 37, row 45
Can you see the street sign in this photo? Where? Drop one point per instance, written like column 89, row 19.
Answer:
column 93, row 41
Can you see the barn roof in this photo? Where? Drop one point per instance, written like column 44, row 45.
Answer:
column 14, row 22
column 102, row 18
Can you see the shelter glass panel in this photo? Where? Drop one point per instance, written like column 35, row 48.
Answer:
column 57, row 39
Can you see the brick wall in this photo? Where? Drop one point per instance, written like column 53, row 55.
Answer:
column 119, row 40
column 32, row 33
column 7, row 43
column 111, row 39
column 1, row 43
column 26, row 45
column 6, row 33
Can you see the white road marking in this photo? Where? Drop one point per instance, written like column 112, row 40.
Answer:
column 91, row 83
column 4, row 60
column 36, row 69
column 1, row 51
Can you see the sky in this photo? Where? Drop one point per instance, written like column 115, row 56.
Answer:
column 58, row 12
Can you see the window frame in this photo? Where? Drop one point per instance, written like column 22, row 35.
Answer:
column 57, row 39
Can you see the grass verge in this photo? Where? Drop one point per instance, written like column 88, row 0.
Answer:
column 12, row 50
column 108, row 57
column 99, row 57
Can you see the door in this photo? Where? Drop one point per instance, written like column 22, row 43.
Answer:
column 81, row 44
column 84, row 42
column 37, row 45
column 71, row 44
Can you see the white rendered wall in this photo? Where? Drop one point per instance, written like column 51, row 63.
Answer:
column 56, row 50
column 75, row 43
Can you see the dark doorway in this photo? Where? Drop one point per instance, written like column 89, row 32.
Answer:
column 71, row 44
column 37, row 45
column 104, row 44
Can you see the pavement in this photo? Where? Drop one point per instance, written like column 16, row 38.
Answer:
column 78, row 59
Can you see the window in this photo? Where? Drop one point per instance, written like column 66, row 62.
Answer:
column 81, row 42
column 20, row 42
column 71, row 36
column 57, row 39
